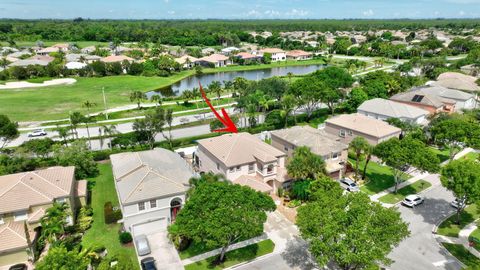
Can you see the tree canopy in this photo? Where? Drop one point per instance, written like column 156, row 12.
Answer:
column 305, row 165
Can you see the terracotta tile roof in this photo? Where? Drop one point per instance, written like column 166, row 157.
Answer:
column 319, row 141
column 182, row 60
column 391, row 108
column 272, row 50
column 457, row 80
column 296, row 53
column 81, row 188
column 116, row 58
column 363, row 124
column 240, row 148
column 37, row 215
column 145, row 175
column 253, row 182
column 246, row 55
column 21, row 190
column 214, row 58
column 13, row 237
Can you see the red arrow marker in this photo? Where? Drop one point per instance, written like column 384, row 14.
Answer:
column 226, row 121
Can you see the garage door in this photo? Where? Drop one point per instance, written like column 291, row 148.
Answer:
column 150, row 227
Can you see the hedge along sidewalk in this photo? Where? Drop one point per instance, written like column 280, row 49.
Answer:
column 236, row 257
column 413, row 188
column 217, row 251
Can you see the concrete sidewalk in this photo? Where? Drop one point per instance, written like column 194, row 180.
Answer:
column 462, row 238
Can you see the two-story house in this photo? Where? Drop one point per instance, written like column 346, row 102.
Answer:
column 24, row 198
column 151, row 187
column 244, row 159
column 275, row 53
column 348, row 126
column 327, row 146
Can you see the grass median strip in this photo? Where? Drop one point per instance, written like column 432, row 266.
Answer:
column 414, row 188
column 449, row 227
column 236, row 256
column 463, row 255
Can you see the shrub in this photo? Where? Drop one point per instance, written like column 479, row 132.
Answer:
column 280, row 192
column 108, row 212
column 294, row 203
column 84, row 219
column 125, row 237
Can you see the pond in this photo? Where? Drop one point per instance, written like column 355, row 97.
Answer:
column 205, row 79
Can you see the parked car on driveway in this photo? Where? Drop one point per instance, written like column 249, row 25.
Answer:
column 20, row 266
column 349, row 185
column 37, row 133
column 143, row 248
column 458, row 203
column 412, row 200
column 148, row 264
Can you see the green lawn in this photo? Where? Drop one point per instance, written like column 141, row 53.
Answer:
column 471, row 156
column 101, row 233
column 55, row 102
column 414, row 188
column 475, row 236
column 463, row 255
column 379, row 177
column 236, row 256
column 450, row 228
column 443, row 154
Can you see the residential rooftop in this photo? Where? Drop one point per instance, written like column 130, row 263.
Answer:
column 363, row 124
column 391, row 108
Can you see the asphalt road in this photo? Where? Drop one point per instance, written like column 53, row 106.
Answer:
column 421, row 250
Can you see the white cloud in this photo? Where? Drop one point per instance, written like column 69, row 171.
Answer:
column 272, row 13
column 171, row 12
column 253, row 13
column 461, row 13
column 297, row 13
column 368, row 13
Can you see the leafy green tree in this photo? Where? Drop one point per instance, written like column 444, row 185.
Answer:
column 8, row 130
column 305, row 165
column 358, row 146
column 235, row 212
column 157, row 99
column 39, row 147
column 59, row 258
column 350, row 231
column 150, row 126
column 399, row 154
column 54, row 221
column 216, row 87
column 138, row 97
column 300, row 189
column 462, row 177
column 452, row 133
column 288, row 104
column 76, row 154
column 307, row 92
column 63, row 133
column 75, row 119
column 355, row 98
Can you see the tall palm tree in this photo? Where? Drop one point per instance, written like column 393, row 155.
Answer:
column 157, row 99
column 368, row 152
column 63, row 133
column 196, row 94
column 75, row 119
column 290, row 75
column 138, row 97
column 87, row 104
column 187, row 95
column 357, row 145
column 216, row 87
column 288, row 105
column 108, row 130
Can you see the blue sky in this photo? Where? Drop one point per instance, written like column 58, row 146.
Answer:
column 239, row 9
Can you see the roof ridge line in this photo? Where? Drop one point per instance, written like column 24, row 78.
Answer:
column 231, row 147
column 24, row 238
column 137, row 185
column 36, row 191
column 45, row 180
column 12, row 186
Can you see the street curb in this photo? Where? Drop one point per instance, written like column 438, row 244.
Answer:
column 251, row 261
column 434, row 234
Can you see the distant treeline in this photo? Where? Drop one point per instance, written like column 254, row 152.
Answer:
column 196, row 32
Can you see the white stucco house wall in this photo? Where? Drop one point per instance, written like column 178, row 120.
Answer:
column 384, row 109
column 151, row 187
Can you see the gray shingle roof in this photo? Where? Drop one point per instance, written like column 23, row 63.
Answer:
column 149, row 174
column 391, row 109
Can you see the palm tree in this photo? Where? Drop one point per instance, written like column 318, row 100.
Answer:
column 138, row 97
column 157, row 99
column 216, row 87
column 196, row 94
column 288, row 105
column 358, row 144
column 87, row 104
column 368, row 152
column 54, row 221
column 187, row 95
column 108, row 130
column 290, row 75
column 63, row 133
column 75, row 119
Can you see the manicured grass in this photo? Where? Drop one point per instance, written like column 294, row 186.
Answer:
column 443, row 154
column 55, row 102
column 236, row 256
column 101, row 233
column 193, row 250
column 39, row 80
column 379, row 177
column 463, row 255
column 450, row 228
column 471, row 156
column 475, row 237
column 414, row 188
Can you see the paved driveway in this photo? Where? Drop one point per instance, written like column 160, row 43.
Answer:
column 421, row 250
column 163, row 251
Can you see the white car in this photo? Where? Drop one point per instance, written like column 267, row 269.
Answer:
column 37, row 133
column 458, row 203
column 349, row 185
column 412, row 200
column 143, row 247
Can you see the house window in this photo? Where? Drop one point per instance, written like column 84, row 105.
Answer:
column 1, row 219
column 239, row 168
column 285, row 148
column 251, row 168
column 153, row 203
column 232, row 169
column 335, row 156
column 60, row 200
column 342, row 133
column 270, row 168
column 21, row 216
column 141, row 206
column 350, row 133
column 218, row 166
